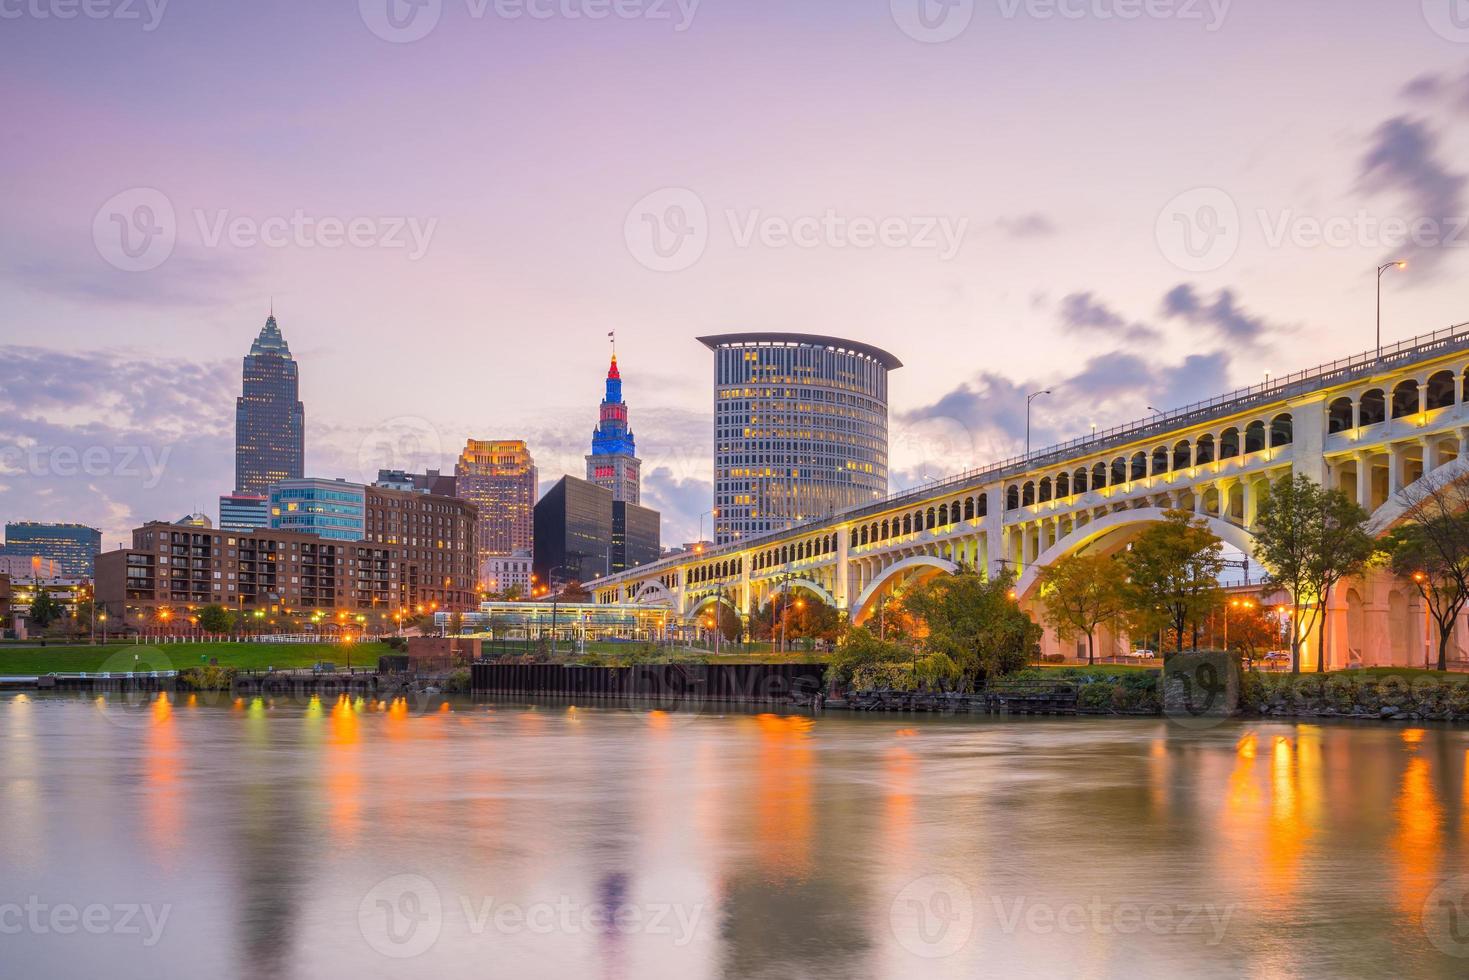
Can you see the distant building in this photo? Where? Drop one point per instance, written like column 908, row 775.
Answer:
column 499, row 477
column 333, row 509
column 270, row 421
column 244, row 511
column 501, row 573
column 800, row 429
column 196, row 520
column 635, row 536
column 431, row 481
column 29, row 567
column 573, row 533
column 613, row 462
column 72, row 546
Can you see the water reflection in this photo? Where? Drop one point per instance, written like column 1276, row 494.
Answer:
column 787, row 839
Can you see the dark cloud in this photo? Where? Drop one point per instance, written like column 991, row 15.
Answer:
column 1032, row 224
column 1440, row 90
column 1220, row 315
column 1082, row 311
column 680, row 501
column 1403, row 159
column 112, row 439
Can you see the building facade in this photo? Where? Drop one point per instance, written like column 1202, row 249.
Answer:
column 501, row 573
column 431, row 481
column 72, row 546
column 270, row 421
column 332, row 509
column 499, row 477
column 613, row 462
column 573, row 533
column 244, row 511
column 417, row 558
column 29, row 567
column 800, row 429
column 636, row 536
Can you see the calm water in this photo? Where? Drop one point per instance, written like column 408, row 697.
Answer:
column 360, row 840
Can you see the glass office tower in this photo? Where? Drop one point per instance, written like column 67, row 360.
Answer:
column 270, row 421
column 800, row 429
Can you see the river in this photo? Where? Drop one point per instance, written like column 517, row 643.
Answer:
column 188, row 837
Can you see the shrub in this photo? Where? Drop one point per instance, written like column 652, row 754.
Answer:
column 209, row 678
column 1097, row 697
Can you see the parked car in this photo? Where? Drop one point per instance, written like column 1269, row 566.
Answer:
column 1278, row 657
column 1142, row 654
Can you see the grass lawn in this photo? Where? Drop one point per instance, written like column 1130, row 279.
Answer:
column 1407, row 673
column 1104, row 668
column 172, row 656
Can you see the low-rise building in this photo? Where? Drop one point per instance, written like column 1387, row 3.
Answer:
column 501, row 573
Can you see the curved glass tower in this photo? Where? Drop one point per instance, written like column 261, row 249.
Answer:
column 270, row 423
column 800, row 429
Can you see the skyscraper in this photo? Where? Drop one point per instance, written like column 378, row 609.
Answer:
column 270, row 421
column 800, row 429
column 499, row 477
column 613, row 463
column 573, row 533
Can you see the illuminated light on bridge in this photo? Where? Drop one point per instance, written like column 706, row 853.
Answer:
column 1368, row 425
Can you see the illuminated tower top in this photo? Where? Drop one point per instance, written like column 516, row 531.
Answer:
column 613, row 462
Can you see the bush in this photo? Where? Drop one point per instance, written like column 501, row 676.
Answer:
column 457, row 682
column 210, row 678
column 1097, row 697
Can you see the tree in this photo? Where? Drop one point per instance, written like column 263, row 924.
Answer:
column 1082, row 593
column 863, row 662
column 1431, row 549
column 1173, row 576
column 575, row 592
column 216, row 619
column 975, row 623
column 1309, row 539
column 44, row 609
column 731, row 627
column 1253, row 629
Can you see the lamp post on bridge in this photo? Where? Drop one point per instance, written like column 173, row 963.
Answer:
column 1028, row 399
column 1396, row 264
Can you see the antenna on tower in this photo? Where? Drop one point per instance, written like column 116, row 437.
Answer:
column 612, row 338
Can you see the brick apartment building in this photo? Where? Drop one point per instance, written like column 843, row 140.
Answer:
column 417, row 554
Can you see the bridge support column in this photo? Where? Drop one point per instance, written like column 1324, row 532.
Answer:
column 842, row 570
column 1364, row 480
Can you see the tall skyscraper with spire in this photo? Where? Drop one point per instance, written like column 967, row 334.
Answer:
column 613, row 462
column 270, row 421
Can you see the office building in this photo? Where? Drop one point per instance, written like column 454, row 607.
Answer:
column 29, row 567
column 501, row 573
column 72, row 546
column 435, row 539
column 244, row 511
column 800, row 429
column 270, row 421
column 432, row 481
column 613, row 462
column 499, row 478
column 573, row 533
column 636, row 536
column 332, row 509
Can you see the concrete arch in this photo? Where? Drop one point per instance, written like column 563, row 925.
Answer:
column 809, row 586
column 698, row 607
column 1384, row 517
column 860, row 609
column 1231, row 534
column 654, row 593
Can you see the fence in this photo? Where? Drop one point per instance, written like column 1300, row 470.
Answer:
column 739, row 683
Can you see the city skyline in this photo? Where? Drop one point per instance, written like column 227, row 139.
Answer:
column 1056, row 252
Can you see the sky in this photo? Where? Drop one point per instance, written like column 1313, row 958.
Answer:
column 1134, row 203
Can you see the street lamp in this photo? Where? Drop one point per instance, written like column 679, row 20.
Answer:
column 699, row 545
column 1397, row 264
column 1028, row 399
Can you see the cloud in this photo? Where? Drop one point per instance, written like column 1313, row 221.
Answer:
column 1082, row 311
column 1221, row 316
column 680, row 501
column 1403, row 159
column 1032, row 224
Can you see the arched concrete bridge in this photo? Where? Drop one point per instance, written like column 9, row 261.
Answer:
column 1369, row 425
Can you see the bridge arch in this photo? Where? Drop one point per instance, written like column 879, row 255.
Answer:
column 651, row 593
column 862, row 608
column 693, row 614
column 1230, row 534
column 810, row 586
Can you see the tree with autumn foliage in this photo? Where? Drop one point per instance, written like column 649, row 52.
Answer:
column 1081, row 594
